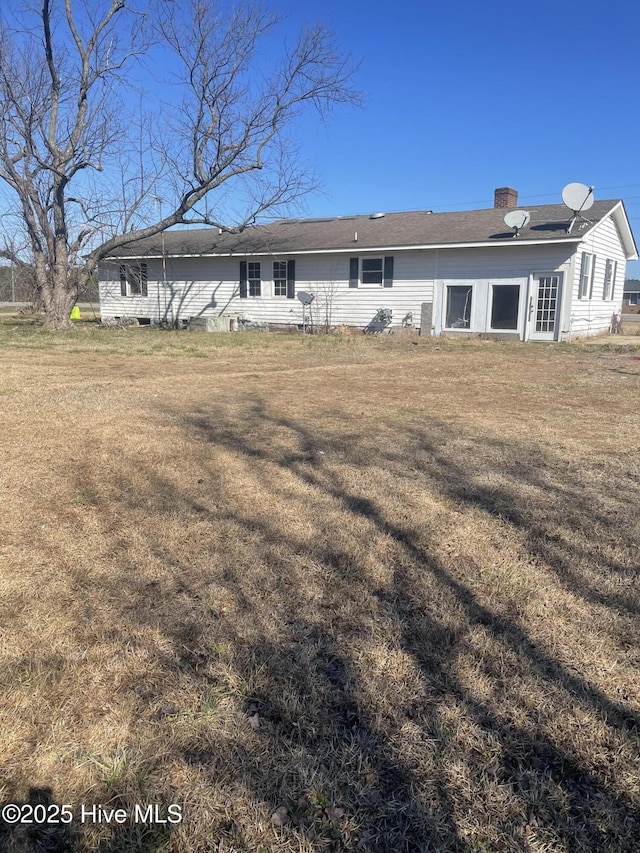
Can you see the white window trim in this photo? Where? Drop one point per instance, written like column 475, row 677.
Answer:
column 609, row 285
column 446, row 328
column 131, row 269
column 585, row 287
column 492, row 288
column 364, row 284
column 282, row 279
column 251, row 278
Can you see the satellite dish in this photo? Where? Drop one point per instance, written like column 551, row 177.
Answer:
column 578, row 197
column 304, row 297
column 517, row 219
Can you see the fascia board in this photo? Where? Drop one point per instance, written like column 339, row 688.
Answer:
column 619, row 216
column 358, row 249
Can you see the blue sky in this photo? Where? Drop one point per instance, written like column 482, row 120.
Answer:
column 462, row 97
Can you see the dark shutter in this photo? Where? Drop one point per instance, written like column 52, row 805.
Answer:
column 353, row 272
column 144, row 290
column 388, row 271
column 291, row 279
column 243, row 279
column 123, row 280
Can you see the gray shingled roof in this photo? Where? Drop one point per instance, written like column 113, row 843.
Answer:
column 394, row 230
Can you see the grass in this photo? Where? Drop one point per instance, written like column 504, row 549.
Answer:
column 325, row 594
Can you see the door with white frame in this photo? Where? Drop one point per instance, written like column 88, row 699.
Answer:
column 545, row 291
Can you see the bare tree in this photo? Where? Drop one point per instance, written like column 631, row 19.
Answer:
column 327, row 294
column 87, row 148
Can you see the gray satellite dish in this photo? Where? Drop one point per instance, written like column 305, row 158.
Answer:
column 306, row 299
column 577, row 197
column 517, row 219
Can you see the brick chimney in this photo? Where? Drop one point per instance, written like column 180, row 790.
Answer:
column 505, row 197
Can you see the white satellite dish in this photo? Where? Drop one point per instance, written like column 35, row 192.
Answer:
column 517, row 219
column 577, row 197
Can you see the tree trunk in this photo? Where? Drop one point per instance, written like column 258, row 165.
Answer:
column 59, row 298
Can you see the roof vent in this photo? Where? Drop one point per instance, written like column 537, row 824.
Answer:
column 376, row 216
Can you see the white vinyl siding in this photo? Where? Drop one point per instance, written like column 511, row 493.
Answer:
column 198, row 287
column 486, row 270
column 593, row 316
column 209, row 286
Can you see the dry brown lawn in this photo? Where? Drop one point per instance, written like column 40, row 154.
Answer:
column 324, row 594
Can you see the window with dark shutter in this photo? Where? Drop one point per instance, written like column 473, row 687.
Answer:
column 123, row 280
column 144, row 290
column 354, row 267
column 243, row 279
column 291, row 279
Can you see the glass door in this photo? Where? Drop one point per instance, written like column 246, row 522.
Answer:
column 544, row 307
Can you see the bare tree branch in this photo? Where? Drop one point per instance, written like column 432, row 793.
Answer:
column 86, row 158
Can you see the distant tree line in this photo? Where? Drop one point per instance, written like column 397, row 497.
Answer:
column 18, row 284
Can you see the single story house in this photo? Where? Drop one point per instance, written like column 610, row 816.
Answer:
column 632, row 291
column 555, row 278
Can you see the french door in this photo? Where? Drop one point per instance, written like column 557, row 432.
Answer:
column 544, row 306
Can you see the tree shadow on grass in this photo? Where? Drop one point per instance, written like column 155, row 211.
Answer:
column 45, row 827
column 347, row 660
column 33, row 834
column 531, row 762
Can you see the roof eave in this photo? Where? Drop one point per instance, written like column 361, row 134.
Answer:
column 621, row 219
column 512, row 241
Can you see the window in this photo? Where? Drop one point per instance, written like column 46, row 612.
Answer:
column 253, row 277
column 279, row 278
column 133, row 279
column 458, row 307
column 504, row 306
column 587, row 269
column 609, row 279
column 371, row 272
